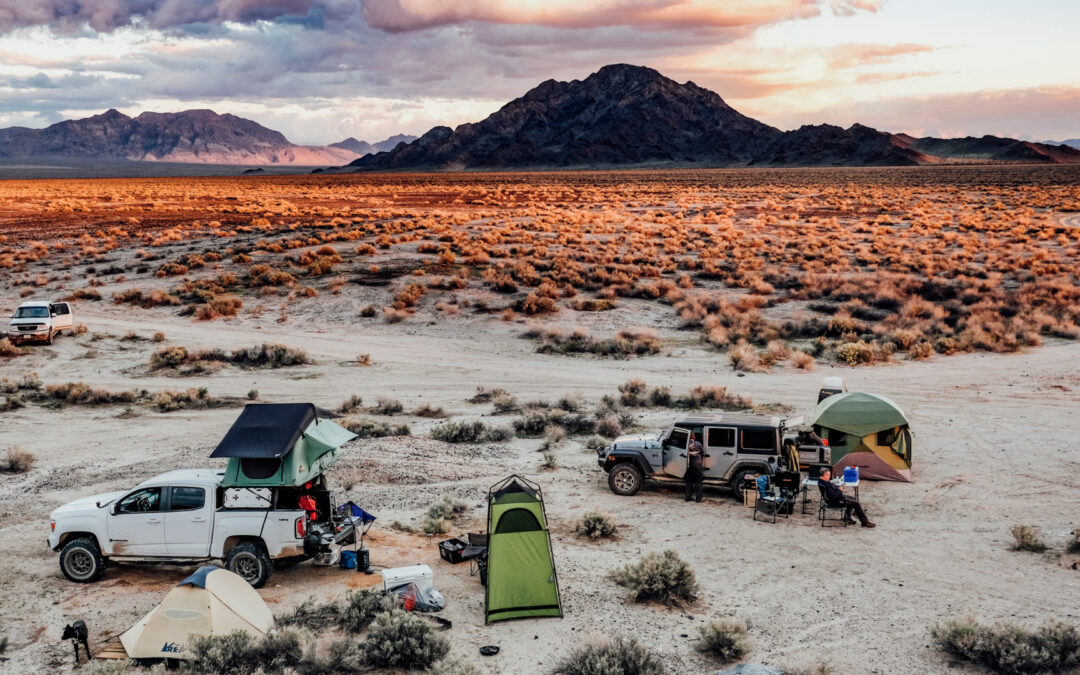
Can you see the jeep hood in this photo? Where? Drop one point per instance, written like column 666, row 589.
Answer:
column 85, row 505
column 637, row 442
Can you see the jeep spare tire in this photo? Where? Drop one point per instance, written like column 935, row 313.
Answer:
column 250, row 562
column 81, row 561
column 625, row 479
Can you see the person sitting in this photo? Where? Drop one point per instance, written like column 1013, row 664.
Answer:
column 835, row 496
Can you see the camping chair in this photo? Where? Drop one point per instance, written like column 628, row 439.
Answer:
column 475, row 551
column 770, row 505
column 826, row 508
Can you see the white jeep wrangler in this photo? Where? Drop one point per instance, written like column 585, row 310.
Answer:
column 40, row 320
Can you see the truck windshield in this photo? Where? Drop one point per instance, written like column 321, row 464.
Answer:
column 32, row 313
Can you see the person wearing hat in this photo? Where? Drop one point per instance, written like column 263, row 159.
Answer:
column 694, row 476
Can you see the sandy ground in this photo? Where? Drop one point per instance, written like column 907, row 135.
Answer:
column 994, row 446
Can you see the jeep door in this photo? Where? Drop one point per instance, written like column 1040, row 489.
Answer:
column 136, row 524
column 719, row 450
column 61, row 316
column 675, row 452
column 188, row 522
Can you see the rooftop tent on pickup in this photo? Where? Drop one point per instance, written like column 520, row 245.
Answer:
column 280, row 444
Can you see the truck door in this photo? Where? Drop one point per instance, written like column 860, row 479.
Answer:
column 188, row 522
column 136, row 525
column 675, row 452
column 61, row 316
column 719, row 450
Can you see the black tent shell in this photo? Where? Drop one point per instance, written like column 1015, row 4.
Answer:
column 267, row 430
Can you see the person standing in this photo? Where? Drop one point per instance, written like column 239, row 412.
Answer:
column 694, row 474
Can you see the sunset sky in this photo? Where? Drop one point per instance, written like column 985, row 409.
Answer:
column 322, row 70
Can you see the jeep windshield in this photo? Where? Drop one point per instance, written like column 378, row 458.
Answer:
column 32, row 313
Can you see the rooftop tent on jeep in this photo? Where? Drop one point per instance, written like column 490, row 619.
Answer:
column 280, row 444
column 868, row 431
column 521, row 580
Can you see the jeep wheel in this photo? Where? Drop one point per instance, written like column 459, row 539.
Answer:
column 250, row 562
column 81, row 561
column 624, row 479
column 740, row 478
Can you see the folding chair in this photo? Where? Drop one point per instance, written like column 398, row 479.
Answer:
column 770, row 505
column 826, row 508
column 475, row 552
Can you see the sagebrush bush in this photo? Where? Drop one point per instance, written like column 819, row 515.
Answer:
column 434, row 526
column 549, row 461
column 723, row 640
column 17, row 460
column 430, row 411
column 1010, row 649
column 365, row 428
column 469, row 432
column 1026, row 538
column 447, row 508
column 398, row 639
column 621, row 656
column 597, row 525
column 659, row 577
column 385, row 405
column 269, row 356
column 238, row 653
column 8, row 349
column 351, row 614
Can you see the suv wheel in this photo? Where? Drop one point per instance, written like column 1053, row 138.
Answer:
column 48, row 340
column 740, row 478
column 250, row 562
column 81, row 561
column 625, row 479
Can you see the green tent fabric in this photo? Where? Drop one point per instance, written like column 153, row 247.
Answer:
column 858, row 414
column 521, row 579
column 316, row 449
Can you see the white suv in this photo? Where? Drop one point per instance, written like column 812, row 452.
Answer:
column 40, row 320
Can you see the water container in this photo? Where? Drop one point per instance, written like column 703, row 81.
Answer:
column 348, row 560
column 851, row 474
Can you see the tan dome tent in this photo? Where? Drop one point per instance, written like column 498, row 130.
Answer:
column 868, row 431
column 212, row 601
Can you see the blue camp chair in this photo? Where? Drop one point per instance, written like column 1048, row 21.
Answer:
column 769, row 505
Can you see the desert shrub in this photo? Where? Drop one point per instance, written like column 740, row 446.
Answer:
column 268, row 355
column 703, row 396
column 596, row 442
column 534, row 304
column 387, row 406
column 597, row 525
column 570, row 402
column 802, row 360
column 363, row 359
column 134, row 296
column 535, row 421
column 434, row 526
column 469, row 432
column 446, row 509
column 625, row 343
column 921, row 350
column 1010, row 649
column 660, row 397
column 1026, row 538
column 593, row 305
column 630, row 392
column 486, row 395
column 430, row 411
column 365, row 428
column 369, row 312
column 608, row 426
column 743, row 357
column 549, row 461
column 723, row 640
column 218, row 306
column 554, row 435
column 10, row 403
column 659, row 577
column 351, row 404
column 169, row 400
column 408, row 296
column 168, row 357
column 238, row 653
column 398, row 639
column 620, row 656
column 80, row 393
column 504, row 402
column 17, row 460
column 81, row 329
column 351, row 614
column 8, row 349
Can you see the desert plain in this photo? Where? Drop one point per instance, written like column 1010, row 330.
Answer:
column 952, row 290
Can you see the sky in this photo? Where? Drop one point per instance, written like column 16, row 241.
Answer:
column 322, row 70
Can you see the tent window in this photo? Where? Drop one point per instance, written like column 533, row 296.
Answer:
column 837, row 437
column 259, row 468
column 886, row 437
column 517, row 520
column 187, row 499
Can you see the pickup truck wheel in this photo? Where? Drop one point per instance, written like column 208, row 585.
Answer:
column 48, row 340
column 625, row 479
column 250, row 562
column 81, row 561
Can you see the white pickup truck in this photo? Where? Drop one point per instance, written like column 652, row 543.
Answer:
column 40, row 320
column 185, row 517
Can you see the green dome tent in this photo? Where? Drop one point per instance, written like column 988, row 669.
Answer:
column 521, row 581
column 868, row 431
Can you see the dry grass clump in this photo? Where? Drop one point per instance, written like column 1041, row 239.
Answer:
column 9, row 349
column 187, row 362
column 365, row 428
column 625, row 343
column 802, row 360
column 430, row 411
column 1010, row 649
column 398, row 639
column 486, row 395
column 723, row 640
column 384, row 405
column 169, row 400
column 80, row 393
column 351, row 404
column 620, row 656
column 268, row 355
column 447, row 508
column 635, row 393
column 1026, row 538
column 659, row 577
column 536, row 422
column 470, row 432
column 217, row 307
column 504, row 402
column 597, row 525
column 17, row 460
column 135, row 296
column 593, row 305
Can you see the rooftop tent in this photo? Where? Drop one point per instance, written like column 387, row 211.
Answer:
column 521, row 579
column 277, row 444
column 868, row 431
column 212, row 601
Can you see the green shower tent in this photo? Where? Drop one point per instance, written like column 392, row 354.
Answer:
column 521, row 580
column 280, row 444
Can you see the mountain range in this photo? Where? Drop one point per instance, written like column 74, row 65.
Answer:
column 191, row 136
column 625, row 115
